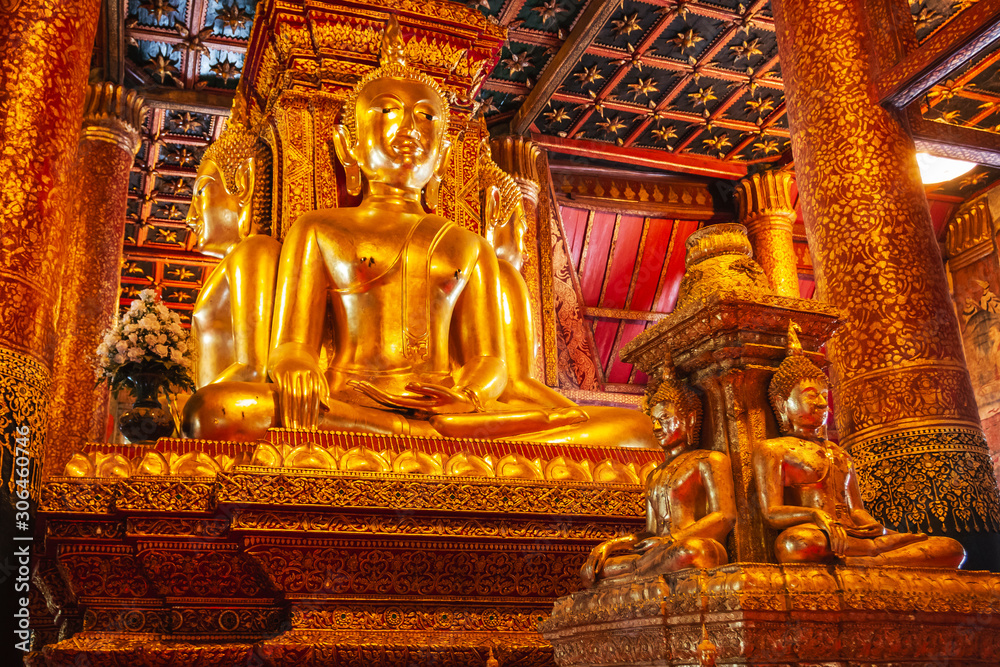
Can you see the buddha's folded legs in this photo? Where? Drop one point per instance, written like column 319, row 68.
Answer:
column 806, row 543
column 669, row 556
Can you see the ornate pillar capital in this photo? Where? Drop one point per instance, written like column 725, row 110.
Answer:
column 764, row 206
column 113, row 114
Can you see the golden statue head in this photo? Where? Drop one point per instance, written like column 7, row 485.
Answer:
column 798, row 390
column 504, row 222
column 395, row 124
column 229, row 196
column 676, row 410
column 707, row 652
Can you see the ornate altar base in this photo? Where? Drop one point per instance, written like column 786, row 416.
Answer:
column 758, row 614
column 281, row 566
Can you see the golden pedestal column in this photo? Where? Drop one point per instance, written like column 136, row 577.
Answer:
column 904, row 402
column 765, row 208
column 44, row 57
column 110, row 138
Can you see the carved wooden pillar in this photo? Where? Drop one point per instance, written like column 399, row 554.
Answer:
column 112, row 119
column 765, row 208
column 905, row 405
column 44, row 57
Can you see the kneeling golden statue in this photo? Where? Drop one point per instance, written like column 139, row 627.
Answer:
column 690, row 507
column 809, row 490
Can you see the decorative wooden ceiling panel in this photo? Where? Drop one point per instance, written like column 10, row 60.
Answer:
column 971, row 97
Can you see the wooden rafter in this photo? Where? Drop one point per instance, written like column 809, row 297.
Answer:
column 961, row 40
column 586, row 29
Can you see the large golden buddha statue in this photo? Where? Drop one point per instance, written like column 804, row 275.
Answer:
column 418, row 308
column 231, row 320
column 809, row 489
column 690, row 507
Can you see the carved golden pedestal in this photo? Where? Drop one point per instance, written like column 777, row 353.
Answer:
column 280, row 566
column 783, row 615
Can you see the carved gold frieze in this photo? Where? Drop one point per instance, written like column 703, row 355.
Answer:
column 903, row 615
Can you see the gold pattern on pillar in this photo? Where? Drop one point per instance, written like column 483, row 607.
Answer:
column 44, row 56
column 765, row 208
column 112, row 118
column 904, row 402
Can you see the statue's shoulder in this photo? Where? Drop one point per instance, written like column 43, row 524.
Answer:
column 780, row 443
column 258, row 245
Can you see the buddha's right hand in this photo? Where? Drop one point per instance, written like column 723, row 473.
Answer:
column 301, row 388
column 835, row 532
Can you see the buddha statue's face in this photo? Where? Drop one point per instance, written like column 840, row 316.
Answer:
column 671, row 427
column 807, row 407
column 214, row 214
column 399, row 132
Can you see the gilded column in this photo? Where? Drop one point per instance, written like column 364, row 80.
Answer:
column 112, row 118
column 904, row 402
column 45, row 52
column 765, row 208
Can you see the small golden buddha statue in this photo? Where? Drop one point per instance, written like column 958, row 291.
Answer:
column 231, row 321
column 690, row 508
column 809, row 489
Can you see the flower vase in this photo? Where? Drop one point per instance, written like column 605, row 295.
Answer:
column 146, row 421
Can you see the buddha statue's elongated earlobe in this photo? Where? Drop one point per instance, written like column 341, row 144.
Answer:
column 345, row 153
column 245, row 180
column 433, row 188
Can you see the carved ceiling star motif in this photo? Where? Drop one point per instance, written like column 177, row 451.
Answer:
column 158, row 8
column 232, row 17
column 760, row 106
column 626, row 25
column 589, row 75
column 162, row 66
column 634, row 57
column 193, row 41
column 597, row 104
column 182, row 156
column 482, row 4
column 746, row 20
column 747, row 49
column 517, row 62
column 687, row 39
column 186, row 123
column 703, row 96
column 944, row 93
column 665, row 133
column 975, row 178
column 181, row 273
column 643, row 87
column 926, row 18
column 486, row 105
column 612, row 125
column 226, row 70
column 765, row 147
column 549, row 11
column 719, row 143
column 949, row 116
column 556, row 116
column 679, row 8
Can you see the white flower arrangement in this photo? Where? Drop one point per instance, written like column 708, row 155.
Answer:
column 146, row 338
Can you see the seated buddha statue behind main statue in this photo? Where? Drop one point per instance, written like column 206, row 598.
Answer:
column 415, row 302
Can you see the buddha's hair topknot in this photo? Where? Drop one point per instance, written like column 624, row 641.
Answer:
column 392, row 64
column 795, row 368
column 235, row 145
column 672, row 389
